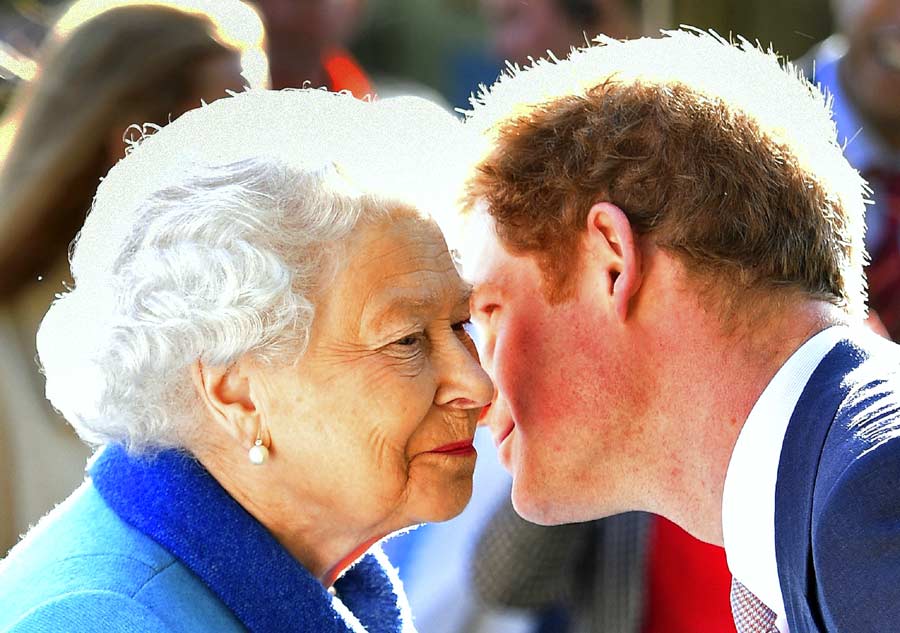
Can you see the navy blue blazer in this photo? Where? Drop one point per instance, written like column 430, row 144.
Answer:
column 837, row 498
column 157, row 546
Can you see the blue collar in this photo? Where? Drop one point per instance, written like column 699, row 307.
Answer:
column 173, row 500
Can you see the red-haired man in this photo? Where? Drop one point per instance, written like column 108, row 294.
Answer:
column 671, row 295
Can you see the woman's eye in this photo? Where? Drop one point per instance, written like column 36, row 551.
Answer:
column 410, row 340
column 467, row 332
column 409, row 348
column 462, row 326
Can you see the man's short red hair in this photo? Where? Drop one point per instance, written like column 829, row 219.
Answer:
column 701, row 175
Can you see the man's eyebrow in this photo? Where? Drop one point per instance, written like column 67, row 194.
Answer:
column 491, row 286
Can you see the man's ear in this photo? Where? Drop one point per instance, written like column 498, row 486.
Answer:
column 226, row 394
column 611, row 244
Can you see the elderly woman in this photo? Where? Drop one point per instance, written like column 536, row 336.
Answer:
column 267, row 338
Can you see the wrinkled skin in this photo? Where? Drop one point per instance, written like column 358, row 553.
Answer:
column 390, row 374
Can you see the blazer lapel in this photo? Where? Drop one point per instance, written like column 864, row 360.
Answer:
column 797, row 470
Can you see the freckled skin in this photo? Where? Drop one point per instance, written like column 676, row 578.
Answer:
column 353, row 421
column 572, row 440
column 626, row 396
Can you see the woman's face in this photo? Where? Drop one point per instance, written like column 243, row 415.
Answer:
column 375, row 422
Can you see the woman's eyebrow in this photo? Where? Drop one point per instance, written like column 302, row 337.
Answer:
column 401, row 304
column 465, row 293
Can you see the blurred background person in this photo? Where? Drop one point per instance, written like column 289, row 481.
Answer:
column 306, row 42
column 630, row 573
column 520, row 29
column 860, row 67
column 105, row 65
column 308, row 45
column 515, row 30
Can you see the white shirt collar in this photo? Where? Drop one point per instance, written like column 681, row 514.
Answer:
column 748, row 499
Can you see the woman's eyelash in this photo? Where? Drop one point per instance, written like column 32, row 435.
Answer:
column 460, row 326
column 410, row 339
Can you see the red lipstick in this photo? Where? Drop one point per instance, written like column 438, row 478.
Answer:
column 462, row 447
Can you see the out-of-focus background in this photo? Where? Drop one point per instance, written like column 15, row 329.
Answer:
column 446, row 45
column 64, row 117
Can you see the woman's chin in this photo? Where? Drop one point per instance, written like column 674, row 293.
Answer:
column 445, row 502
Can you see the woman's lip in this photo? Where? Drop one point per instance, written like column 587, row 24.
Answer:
column 462, row 447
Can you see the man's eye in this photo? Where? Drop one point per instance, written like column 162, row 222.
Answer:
column 485, row 310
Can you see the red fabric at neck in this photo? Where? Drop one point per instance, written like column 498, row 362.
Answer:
column 688, row 584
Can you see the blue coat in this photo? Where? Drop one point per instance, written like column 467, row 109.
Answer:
column 158, row 546
column 837, row 499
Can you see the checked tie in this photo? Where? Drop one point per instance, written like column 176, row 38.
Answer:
column 750, row 614
column 884, row 272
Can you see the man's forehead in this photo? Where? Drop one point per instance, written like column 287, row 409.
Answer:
column 488, row 264
column 479, row 247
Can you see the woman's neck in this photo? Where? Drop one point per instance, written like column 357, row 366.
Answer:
column 335, row 572
column 325, row 547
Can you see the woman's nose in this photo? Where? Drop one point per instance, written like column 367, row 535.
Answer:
column 466, row 385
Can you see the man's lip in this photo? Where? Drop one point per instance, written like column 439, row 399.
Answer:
column 462, row 447
column 498, row 439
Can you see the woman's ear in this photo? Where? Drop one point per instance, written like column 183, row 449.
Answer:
column 226, row 394
column 611, row 245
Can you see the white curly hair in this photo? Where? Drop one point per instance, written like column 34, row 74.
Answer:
column 211, row 239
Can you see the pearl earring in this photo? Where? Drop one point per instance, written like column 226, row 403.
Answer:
column 258, row 453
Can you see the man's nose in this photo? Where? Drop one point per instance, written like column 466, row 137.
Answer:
column 465, row 385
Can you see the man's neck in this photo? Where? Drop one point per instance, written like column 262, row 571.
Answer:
column 712, row 389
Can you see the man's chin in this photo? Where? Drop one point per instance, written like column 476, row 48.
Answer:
column 536, row 506
column 536, row 500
